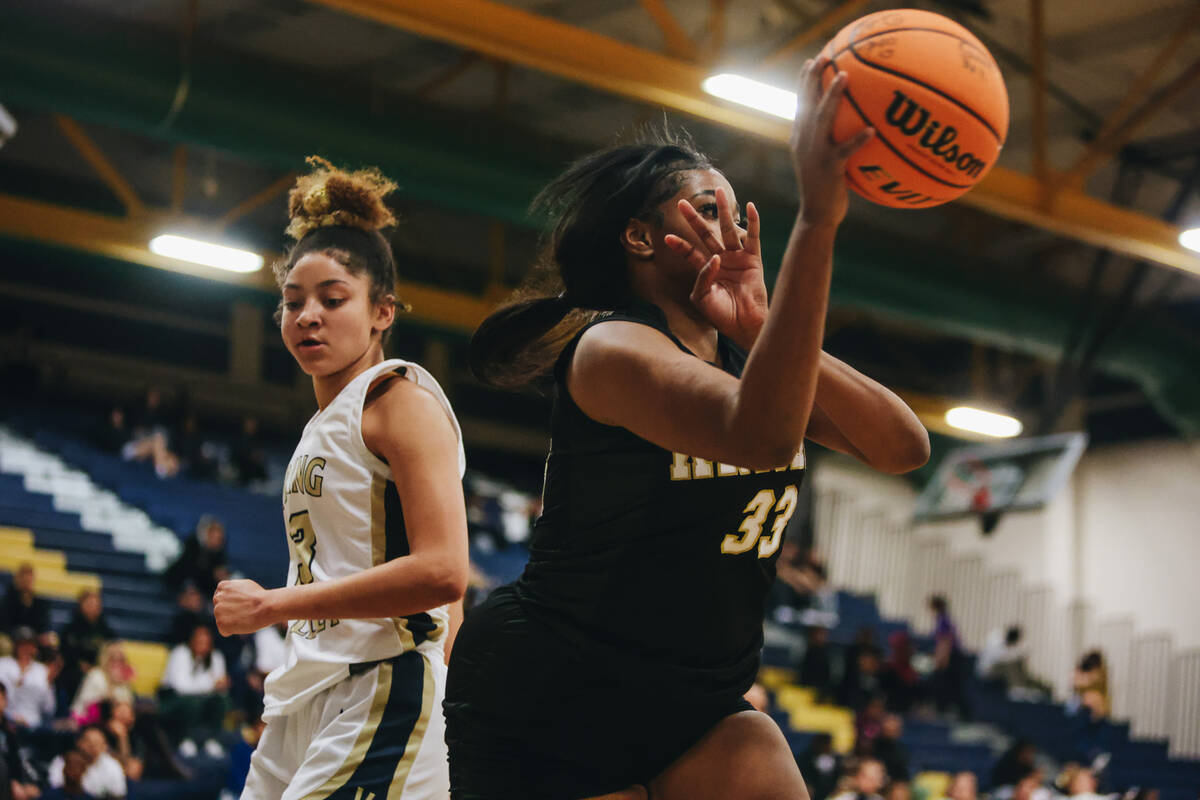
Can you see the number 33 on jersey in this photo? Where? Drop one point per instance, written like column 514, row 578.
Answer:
column 757, row 511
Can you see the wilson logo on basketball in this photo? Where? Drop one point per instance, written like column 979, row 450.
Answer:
column 911, row 118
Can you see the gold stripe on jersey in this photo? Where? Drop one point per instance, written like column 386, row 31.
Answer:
column 383, row 688
column 379, row 549
column 417, row 737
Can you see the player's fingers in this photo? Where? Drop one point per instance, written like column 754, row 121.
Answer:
column 829, row 102
column 810, row 83
column 706, row 279
column 691, row 254
column 855, row 143
column 700, row 226
column 753, row 223
column 729, row 232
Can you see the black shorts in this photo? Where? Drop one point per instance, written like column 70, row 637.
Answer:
column 531, row 715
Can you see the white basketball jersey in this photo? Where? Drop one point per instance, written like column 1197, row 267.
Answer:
column 342, row 514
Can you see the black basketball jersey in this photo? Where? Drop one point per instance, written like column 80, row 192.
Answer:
column 659, row 556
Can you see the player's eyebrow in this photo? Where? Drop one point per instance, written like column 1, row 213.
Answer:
column 320, row 285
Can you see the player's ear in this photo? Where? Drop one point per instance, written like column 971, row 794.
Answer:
column 636, row 239
column 385, row 313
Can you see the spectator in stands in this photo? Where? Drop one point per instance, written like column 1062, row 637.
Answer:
column 194, row 694
column 27, row 682
column 249, row 461
column 150, row 440
column 963, row 786
column 899, row 680
column 103, row 776
column 114, row 434
column 15, row 770
column 74, row 767
column 819, row 765
column 861, row 681
column 816, row 668
column 948, row 683
column 1003, row 660
column 890, row 750
column 198, row 455
column 803, row 592
column 118, row 728
column 138, row 742
column 203, row 561
column 1078, row 783
column 897, row 790
column 81, row 641
column 867, row 778
column 1014, row 763
column 191, row 610
column 1028, row 786
column 108, row 680
column 22, row 608
column 868, row 724
column 1091, row 684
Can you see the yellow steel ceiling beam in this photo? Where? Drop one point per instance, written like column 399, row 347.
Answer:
column 104, row 168
column 677, row 40
column 610, row 65
column 127, row 239
column 817, row 30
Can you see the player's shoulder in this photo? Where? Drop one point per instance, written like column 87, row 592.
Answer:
column 398, row 409
column 395, row 392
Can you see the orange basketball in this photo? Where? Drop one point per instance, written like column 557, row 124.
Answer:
column 935, row 97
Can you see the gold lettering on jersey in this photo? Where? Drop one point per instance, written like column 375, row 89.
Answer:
column 691, row 468
column 304, row 476
column 309, row 628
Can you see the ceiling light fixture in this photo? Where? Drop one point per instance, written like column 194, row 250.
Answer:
column 209, row 254
column 987, row 423
column 755, row 94
column 1190, row 239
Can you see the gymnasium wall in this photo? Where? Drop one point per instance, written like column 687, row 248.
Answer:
column 1108, row 563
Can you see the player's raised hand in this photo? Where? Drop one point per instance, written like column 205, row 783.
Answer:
column 819, row 161
column 730, row 290
column 240, row 607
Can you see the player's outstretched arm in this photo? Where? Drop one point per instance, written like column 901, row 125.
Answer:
column 407, row 427
column 630, row 375
column 858, row 416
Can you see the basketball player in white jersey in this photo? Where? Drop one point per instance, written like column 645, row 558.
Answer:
column 376, row 526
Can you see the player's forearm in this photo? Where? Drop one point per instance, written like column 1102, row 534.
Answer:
column 779, row 383
column 407, row 585
column 876, row 422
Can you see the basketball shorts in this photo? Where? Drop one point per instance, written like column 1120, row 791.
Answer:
column 377, row 735
column 530, row 716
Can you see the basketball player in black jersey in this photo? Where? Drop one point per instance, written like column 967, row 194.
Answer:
column 615, row 666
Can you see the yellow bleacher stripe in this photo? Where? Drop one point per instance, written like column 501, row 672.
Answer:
column 149, row 661
column 12, row 558
column 16, row 537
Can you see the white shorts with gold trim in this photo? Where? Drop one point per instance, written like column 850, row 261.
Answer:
column 377, row 735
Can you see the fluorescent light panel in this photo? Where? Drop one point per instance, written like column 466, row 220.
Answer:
column 209, row 254
column 987, row 423
column 755, row 94
column 1190, row 239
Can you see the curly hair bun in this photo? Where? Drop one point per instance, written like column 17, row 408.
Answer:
column 331, row 196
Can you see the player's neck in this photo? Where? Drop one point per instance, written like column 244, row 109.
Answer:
column 685, row 321
column 327, row 387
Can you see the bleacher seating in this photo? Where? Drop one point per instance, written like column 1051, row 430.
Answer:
column 1048, row 725
column 139, row 608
